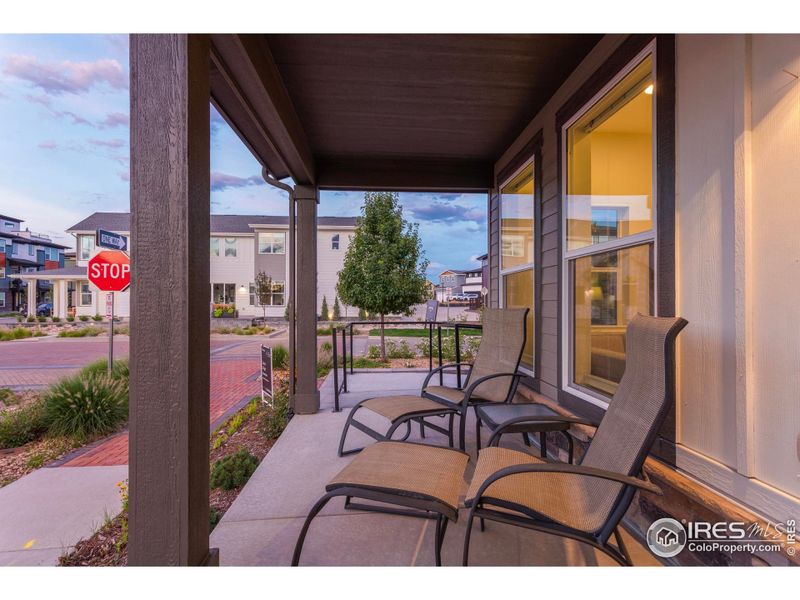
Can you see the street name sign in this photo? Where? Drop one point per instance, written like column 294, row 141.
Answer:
column 109, row 239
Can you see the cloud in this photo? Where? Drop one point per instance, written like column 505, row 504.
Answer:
column 115, row 143
column 222, row 181
column 124, row 175
column 48, row 145
column 439, row 212
column 56, row 78
column 114, row 119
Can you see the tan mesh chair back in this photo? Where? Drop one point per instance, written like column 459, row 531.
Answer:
column 500, row 351
column 629, row 427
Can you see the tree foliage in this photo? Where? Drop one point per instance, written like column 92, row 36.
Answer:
column 324, row 313
column 384, row 268
column 263, row 289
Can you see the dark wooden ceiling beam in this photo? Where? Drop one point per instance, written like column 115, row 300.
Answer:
column 403, row 174
column 247, row 89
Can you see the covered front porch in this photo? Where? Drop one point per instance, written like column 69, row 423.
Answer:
column 262, row 526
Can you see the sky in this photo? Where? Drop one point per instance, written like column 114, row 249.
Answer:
column 64, row 133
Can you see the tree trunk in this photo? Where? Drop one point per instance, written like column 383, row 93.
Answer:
column 383, row 341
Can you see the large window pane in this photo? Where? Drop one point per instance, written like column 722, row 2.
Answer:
column 518, row 293
column 610, row 164
column 608, row 290
column 516, row 220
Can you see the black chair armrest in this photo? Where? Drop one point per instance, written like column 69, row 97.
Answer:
column 569, row 469
column 471, row 389
column 441, row 367
column 500, row 429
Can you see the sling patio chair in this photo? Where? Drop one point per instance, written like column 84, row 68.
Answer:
column 586, row 502
column 492, row 377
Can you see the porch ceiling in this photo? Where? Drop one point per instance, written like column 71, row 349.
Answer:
column 429, row 112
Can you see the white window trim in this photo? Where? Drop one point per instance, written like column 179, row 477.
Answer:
column 271, row 244
column 235, row 247
column 517, row 268
column 2, row 299
column 335, row 239
column 81, row 292
column 567, row 256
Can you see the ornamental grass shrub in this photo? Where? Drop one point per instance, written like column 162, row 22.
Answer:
column 17, row 333
column 99, row 368
column 233, row 471
column 280, row 357
column 85, row 405
column 23, row 424
column 89, row 331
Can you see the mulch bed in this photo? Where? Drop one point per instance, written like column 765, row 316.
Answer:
column 17, row 462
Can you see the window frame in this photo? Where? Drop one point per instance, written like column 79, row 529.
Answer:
column 214, row 251
column 568, row 257
column 81, row 248
column 81, row 293
column 272, row 243
column 253, row 295
column 335, row 242
column 534, row 266
column 228, row 246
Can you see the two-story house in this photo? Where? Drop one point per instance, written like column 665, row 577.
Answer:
column 241, row 246
column 450, row 284
column 23, row 252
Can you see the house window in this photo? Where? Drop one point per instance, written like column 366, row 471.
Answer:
column 335, row 242
column 2, row 299
column 2, row 245
column 230, row 247
column 85, row 247
column 609, row 248
column 272, row 243
column 214, row 246
column 52, row 253
column 276, row 296
column 223, row 293
column 516, row 256
column 86, row 294
column 8, row 225
column 30, row 249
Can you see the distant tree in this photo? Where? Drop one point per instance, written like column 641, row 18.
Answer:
column 324, row 315
column 263, row 289
column 384, row 268
column 337, row 310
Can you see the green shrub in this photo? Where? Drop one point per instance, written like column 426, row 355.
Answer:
column 84, row 318
column 324, row 313
column 19, row 318
column 70, row 319
column 324, row 330
column 85, row 405
column 97, row 318
column 280, row 357
column 234, row 470
column 326, row 346
column 374, row 352
column 275, row 418
column 234, row 423
column 31, row 319
column 17, row 333
column 337, row 310
column 41, row 319
column 122, row 330
column 55, row 319
column 213, row 518
column 99, row 368
column 401, row 350
column 8, row 397
column 90, row 331
column 23, row 425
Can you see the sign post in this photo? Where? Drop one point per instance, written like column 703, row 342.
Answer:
column 110, row 271
column 266, row 375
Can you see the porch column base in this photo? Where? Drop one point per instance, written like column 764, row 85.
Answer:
column 306, row 403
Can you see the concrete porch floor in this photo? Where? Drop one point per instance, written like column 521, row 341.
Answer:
column 262, row 525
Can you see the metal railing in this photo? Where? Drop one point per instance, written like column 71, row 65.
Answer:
column 340, row 388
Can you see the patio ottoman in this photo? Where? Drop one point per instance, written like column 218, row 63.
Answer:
column 398, row 410
column 423, row 481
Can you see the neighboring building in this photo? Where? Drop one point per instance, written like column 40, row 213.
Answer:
column 21, row 252
column 240, row 246
column 450, row 283
column 473, row 282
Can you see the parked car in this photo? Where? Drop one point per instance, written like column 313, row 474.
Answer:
column 471, row 295
column 45, row 309
column 459, row 298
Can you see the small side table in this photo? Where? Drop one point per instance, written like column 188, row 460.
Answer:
column 524, row 419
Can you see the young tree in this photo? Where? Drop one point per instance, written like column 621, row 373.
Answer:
column 337, row 310
column 324, row 314
column 263, row 289
column 384, row 268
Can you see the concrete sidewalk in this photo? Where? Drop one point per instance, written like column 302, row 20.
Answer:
column 42, row 515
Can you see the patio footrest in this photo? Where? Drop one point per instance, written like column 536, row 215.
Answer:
column 424, row 481
column 398, row 410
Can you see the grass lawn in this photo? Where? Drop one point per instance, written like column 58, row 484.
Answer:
column 420, row 332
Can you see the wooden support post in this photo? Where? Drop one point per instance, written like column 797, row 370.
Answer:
column 306, row 400
column 169, row 346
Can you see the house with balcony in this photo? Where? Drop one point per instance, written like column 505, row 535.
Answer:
column 240, row 247
column 24, row 252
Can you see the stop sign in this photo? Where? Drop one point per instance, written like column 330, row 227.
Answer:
column 110, row 271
